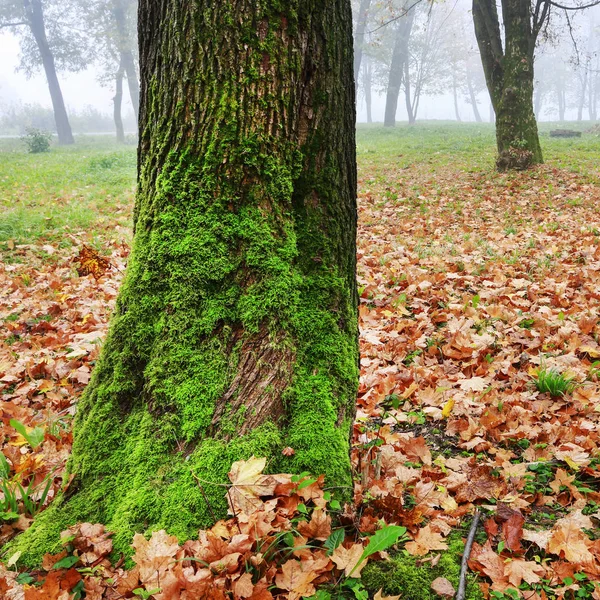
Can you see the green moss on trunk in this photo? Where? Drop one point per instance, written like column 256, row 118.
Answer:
column 235, row 331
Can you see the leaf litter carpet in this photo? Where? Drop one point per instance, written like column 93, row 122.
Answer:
column 473, row 288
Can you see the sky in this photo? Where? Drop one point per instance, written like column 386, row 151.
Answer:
column 79, row 89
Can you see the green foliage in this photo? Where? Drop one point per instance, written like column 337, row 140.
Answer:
column 33, row 436
column 381, row 540
column 550, row 381
column 37, row 140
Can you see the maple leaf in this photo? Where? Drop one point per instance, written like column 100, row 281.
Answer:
column 442, row 587
column 347, row 559
column 91, row 263
column 319, row 526
column 248, row 485
column 154, row 556
column 518, row 570
column 243, row 587
column 297, row 576
column 475, row 384
column 480, row 484
column 567, row 539
column 425, row 541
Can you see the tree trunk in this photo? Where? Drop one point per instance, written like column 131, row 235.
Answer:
column 399, row 58
column 455, row 94
column 509, row 77
column 583, row 92
column 367, row 83
column 412, row 117
column 35, row 19
column 562, row 102
column 359, row 36
column 127, row 60
column 117, row 102
column 235, row 331
column 473, row 98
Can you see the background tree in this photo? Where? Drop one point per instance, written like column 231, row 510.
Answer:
column 113, row 27
column 235, row 331
column 50, row 37
column 507, row 50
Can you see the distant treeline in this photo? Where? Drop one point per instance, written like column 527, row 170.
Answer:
column 17, row 118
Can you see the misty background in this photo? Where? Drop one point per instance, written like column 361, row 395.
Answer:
column 442, row 65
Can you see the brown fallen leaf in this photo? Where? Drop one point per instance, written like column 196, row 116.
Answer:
column 442, row 587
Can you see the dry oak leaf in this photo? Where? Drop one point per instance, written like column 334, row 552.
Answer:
column 569, row 540
column 297, row 576
column 249, row 484
column 346, row 559
column 442, row 587
column 319, row 526
column 519, row 570
column 426, row 540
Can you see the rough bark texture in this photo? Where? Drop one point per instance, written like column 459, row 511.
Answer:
column 35, row 20
column 509, row 77
column 235, row 331
column 397, row 66
column 117, row 103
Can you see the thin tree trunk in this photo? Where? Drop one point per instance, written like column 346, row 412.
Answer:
column 127, row 60
column 583, row 93
column 117, row 102
column 473, row 98
column 407, row 97
column 399, row 58
column 359, row 37
column 35, row 18
column 509, row 77
column 455, row 94
column 235, row 330
column 560, row 96
column 367, row 83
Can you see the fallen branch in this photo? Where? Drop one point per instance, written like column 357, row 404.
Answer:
column 464, row 567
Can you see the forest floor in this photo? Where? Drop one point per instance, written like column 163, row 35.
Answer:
column 480, row 357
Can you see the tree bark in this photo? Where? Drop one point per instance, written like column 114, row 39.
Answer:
column 509, row 78
column 117, row 103
column 124, row 44
column 35, row 20
column 399, row 58
column 359, row 36
column 235, row 330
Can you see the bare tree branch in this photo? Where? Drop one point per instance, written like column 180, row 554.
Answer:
column 3, row 25
column 404, row 13
column 564, row 7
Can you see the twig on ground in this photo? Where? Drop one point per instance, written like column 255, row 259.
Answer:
column 464, row 567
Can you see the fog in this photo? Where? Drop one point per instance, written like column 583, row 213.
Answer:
column 442, row 65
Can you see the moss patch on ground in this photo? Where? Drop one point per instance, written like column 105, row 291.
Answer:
column 402, row 575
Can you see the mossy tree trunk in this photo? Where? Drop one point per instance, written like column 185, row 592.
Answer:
column 235, row 331
column 509, row 75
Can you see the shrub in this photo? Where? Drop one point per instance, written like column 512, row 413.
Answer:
column 37, row 140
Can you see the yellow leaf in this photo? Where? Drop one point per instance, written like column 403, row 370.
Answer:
column 591, row 352
column 379, row 596
column 447, row 410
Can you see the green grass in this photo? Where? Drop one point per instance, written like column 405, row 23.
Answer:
column 87, row 188
column 550, row 381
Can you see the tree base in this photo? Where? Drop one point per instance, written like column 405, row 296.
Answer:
column 516, row 159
